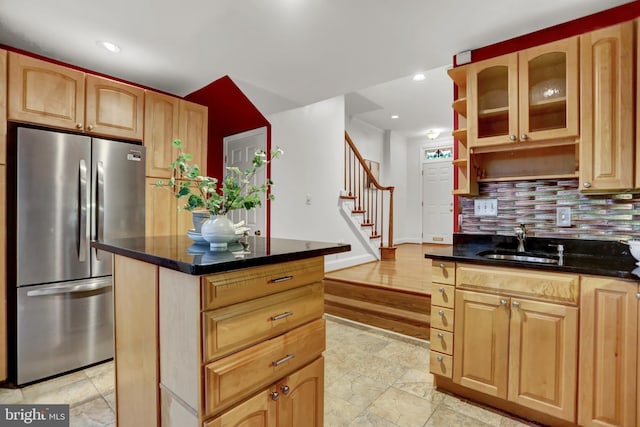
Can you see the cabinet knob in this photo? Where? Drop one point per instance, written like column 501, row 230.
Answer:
column 441, row 290
column 439, row 358
column 90, row 127
column 515, row 304
column 275, row 395
column 586, row 185
column 285, row 389
column 524, row 137
column 638, row 295
column 440, row 335
column 440, row 312
column 512, row 137
column 78, row 125
column 442, row 266
column 503, row 302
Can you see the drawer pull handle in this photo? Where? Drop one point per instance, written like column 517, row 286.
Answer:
column 282, row 316
column 275, row 395
column 439, row 359
column 440, row 335
column 285, row 389
column 442, row 266
column 441, row 290
column 281, row 279
column 283, row 360
column 441, row 313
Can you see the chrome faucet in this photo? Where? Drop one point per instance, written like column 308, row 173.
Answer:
column 560, row 253
column 521, row 235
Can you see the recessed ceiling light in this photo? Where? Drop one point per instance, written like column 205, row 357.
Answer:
column 395, row 116
column 419, row 77
column 113, row 48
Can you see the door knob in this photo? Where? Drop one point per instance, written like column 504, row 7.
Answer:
column 275, row 395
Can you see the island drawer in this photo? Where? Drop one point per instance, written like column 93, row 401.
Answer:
column 563, row 288
column 443, row 272
column 222, row 289
column 241, row 374
column 240, row 325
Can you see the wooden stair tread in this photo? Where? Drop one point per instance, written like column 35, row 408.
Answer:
column 379, row 308
column 358, row 211
column 348, row 197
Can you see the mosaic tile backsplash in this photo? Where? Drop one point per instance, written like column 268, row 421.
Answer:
column 534, row 203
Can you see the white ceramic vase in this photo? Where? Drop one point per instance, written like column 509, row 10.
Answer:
column 218, row 230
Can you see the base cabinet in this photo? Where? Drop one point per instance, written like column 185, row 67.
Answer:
column 516, row 349
column 608, row 372
column 294, row 401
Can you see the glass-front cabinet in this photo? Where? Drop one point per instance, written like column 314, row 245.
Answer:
column 530, row 95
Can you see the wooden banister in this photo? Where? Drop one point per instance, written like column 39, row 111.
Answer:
column 362, row 186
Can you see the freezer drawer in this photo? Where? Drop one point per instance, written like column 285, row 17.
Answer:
column 63, row 326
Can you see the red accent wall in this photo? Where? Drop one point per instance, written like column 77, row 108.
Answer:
column 230, row 112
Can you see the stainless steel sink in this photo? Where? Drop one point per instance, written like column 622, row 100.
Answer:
column 522, row 258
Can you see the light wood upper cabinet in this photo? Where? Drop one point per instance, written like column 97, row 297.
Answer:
column 44, row 93
column 161, row 124
column 608, row 352
column 194, row 121
column 530, row 95
column 607, row 117
column 168, row 118
column 3, row 106
column 160, row 210
column 48, row 94
column 113, row 108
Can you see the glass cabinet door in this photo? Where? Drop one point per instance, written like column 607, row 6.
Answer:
column 548, row 89
column 492, row 103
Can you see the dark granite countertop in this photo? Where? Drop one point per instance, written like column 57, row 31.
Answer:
column 596, row 257
column 181, row 254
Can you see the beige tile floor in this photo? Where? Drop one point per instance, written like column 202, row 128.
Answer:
column 372, row 378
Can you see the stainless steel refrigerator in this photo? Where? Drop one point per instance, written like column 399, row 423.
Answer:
column 65, row 190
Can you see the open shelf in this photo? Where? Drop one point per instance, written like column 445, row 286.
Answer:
column 460, row 135
column 460, row 106
column 458, row 75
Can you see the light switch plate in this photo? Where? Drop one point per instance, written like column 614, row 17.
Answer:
column 563, row 217
column 485, row 207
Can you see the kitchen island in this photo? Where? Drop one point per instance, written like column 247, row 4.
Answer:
column 210, row 338
column 557, row 343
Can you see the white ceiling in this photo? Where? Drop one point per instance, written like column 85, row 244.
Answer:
column 286, row 53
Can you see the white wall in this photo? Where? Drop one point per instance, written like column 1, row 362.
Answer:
column 308, row 179
column 369, row 140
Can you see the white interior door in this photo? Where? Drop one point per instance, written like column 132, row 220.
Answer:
column 239, row 150
column 437, row 202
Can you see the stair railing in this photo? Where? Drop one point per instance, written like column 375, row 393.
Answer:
column 368, row 195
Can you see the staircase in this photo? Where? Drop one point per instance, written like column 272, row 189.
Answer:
column 367, row 204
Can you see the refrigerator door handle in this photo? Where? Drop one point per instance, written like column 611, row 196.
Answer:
column 83, row 237
column 70, row 289
column 100, row 207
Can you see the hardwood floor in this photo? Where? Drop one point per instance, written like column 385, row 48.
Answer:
column 391, row 294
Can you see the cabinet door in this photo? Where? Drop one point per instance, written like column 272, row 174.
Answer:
column 45, row 93
column 608, row 352
column 258, row 411
column 113, row 108
column 193, row 132
column 548, row 91
column 543, row 356
column 492, row 104
column 302, row 397
column 481, row 345
column 3, row 106
column 160, row 210
column 607, row 121
column 161, row 121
